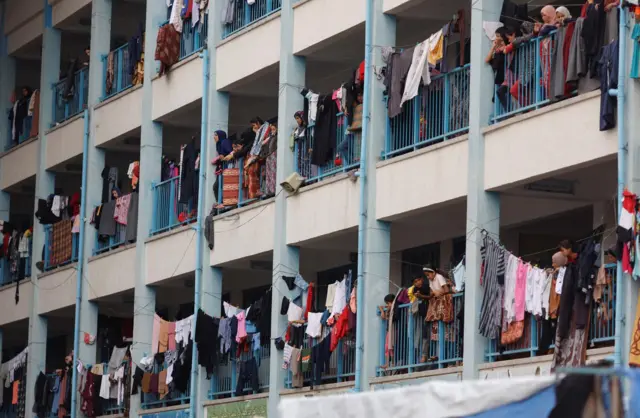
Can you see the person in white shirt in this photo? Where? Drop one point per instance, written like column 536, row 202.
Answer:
column 437, row 283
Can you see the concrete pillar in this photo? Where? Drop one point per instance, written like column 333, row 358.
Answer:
column 483, row 208
column 632, row 94
column 377, row 236
column 211, row 291
column 44, row 186
column 7, row 82
column 100, row 43
column 286, row 259
column 144, row 304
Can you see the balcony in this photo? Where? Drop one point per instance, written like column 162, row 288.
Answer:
column 173, row 398
column 225, row 378
column 105, row 244
column 439, row 112
column 601, row 329
column 26, row 132
column 245, row 14
column 117, row 70
column 192, row 39
column 346, row 150
column 168, row 212
column 60, row 245
column 416, row 347
column 70, row 96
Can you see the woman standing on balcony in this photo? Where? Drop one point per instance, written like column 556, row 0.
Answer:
column 269, row 154
column 252, row 164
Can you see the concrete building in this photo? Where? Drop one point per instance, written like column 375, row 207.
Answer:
column 452, row 165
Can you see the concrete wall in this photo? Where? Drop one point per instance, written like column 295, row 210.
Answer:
column 57, row 290
column 65, row 142
column 125, row 109
column 13, row 311
column 248, row 52
column 23, row 23
column 111, row 273
column 19, row 164
column 181, row 86
column 164, row 261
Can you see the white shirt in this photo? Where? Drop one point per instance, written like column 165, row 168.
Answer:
column 530, row 289
column 294, row 313
column 560, row 280
column 418, row 70
column 510, row 279
column 340, row 298
column 314, row 327
column 437, row 283
column 546, row 292
column 105, row 387
column 331, row 293
column 459, row 273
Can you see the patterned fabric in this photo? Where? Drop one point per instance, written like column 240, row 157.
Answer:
column 230, row 186
column 167, row 47
column 22, row 397
column 61, row 245
column 252, row 180
column 572, row 350
column 512, row 332
column 270, row 174
column 110, row 73
column 492, row 279
column 440, row 309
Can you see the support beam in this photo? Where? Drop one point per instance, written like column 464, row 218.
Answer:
column 377, row 234
column 144, row 304
column 7, row 82
column 51, row 46
column 286, row 259
column 483, row 208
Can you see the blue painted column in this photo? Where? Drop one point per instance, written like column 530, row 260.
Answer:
column 377, row 236
column 483, row 208
column 49, row 72
column 100, row 42
column 286, row 259
column 144, row 304
column 632, row 93
column 7, row 85
column 211, row 291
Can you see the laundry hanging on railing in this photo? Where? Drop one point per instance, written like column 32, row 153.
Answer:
column 13, row 379
column 102, row 382
column 513, row 288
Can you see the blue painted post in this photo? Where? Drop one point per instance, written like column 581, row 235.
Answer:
column 47, row 240
column 534, row 336
column 441, row 345
column 240, row 189
column 247, row 13
column 340, row 369
column 411, row 339
column 173, row 201
column 154, row 208
column 387, row 136
column 538, row 64
column 381, row 344
column 119, row 68
column 447, row 102
column 415, row 102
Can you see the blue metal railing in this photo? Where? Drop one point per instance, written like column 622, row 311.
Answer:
column 439, row 112
column 346, row 149
column 26, row 132
column 527, row 82
column 103, row 245
column 243, row 194
column 121, row 79
column 245, row 14
column 69, row 102
column 49, row 262
column 601, row 330
column 5, row 272
column 173, row 398
column 192, row 39
column 168, row 213
column 342, row 363
column 412, row 335
column 225, row 378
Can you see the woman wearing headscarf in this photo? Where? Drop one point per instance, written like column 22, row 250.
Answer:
column 231, row 174
column 300, row 145
column 269, row 153
column 223, row 148
column 253, row 163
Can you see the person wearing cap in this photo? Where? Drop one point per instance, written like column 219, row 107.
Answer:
column 437, row 283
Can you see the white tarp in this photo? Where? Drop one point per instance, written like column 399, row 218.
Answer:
column 436, row 399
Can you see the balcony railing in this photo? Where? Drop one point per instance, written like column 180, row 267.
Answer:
column 413, row 335
column 121, row 78
column 245, row 14
column 601, row 330
column 70, row 100
column 242, row 193
column 5, row 272
column 347, row 148
column 225, row 378
column 173, row 398
column 26, row 132
column 168, row 213
column 439, row 112
column 106, row 244
column 192, row 39
column 342, row 363
column 527, row 82
column 60, row 245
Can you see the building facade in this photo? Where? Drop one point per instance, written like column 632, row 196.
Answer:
column 459, row 162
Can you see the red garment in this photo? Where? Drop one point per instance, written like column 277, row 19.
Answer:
column 87, row 396
column 187, row 14
column 309, row 301
column 361, row 73
column 340, row 329
column 74, row 202
column 628, row 201
column 626, row 260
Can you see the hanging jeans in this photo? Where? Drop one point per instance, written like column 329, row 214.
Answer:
column 248, row 374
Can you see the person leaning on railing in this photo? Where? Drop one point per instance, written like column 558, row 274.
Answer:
column 440, row 308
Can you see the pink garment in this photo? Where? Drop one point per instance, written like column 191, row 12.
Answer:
column 75, row 229
column 172, row 336
column 352, row 300
column 336, row 99
column 242, row 326
column 155, row 335
column 521, row 289
column 122, row 209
